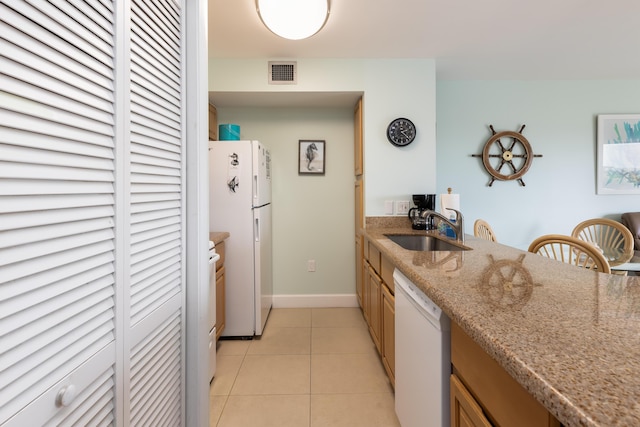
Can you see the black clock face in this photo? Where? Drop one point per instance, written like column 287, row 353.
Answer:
column 401, row 132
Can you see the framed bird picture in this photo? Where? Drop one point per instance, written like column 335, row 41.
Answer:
column 311, row 157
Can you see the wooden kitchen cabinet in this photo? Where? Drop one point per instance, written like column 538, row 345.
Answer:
column 379, row 304
column 500, row 398
column 375, row 308
column 220, row 305
column 358, row 140
column 465, row 411
column 359, row 267
column 220, row 291
column 213, row 123
column 389, row 333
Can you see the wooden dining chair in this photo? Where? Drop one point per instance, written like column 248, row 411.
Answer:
column 611, row 237
column 483, row 230
column 570, row 250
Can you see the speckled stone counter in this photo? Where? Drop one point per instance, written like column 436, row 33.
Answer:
column 218, row 236
column 569, row 336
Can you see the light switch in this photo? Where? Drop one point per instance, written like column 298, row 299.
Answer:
column 388, row 207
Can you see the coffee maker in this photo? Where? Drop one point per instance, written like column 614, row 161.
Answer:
column 423, row 202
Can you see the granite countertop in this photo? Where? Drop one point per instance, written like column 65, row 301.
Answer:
column 218, row 236
column 569, row 336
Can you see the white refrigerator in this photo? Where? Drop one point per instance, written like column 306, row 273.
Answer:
column 240, row 204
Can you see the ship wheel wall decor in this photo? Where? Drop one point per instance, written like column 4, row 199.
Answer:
column 516, row 156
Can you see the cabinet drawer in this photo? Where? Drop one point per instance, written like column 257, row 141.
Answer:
column 386, row 272
column 365, row 249
column 374, row 257
column 220, row 251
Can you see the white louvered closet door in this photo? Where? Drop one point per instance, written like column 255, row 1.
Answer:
column 157, row 270
column 91, row 213
column 57, row 285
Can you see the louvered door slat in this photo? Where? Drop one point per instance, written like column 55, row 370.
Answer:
column 148, row 125
column 66, row 28
column 150, row 101
column 159, row 116
column 146, row 28
column 168, row 144
column 140, row 198
column 148, row 159
column 145, row 132
column 32, row 296
column 147, row 55
column 163, row 346
column 99, row 13
column 16, row 187
column 89, row 17
column 58, row 215
column 25, row 155
column 34, row 117
column 35, row 38
column 22, row 138
column 28, row 82
column 30, row 203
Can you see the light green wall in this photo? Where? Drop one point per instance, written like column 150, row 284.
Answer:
column 312, row 214
column 392, row 88
column 560, row 119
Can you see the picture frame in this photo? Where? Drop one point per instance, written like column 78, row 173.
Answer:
column 618, row 157
column 311, row 157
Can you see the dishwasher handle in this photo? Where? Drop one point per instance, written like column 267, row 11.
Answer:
column 428, row 308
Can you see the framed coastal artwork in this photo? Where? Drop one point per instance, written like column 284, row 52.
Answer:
column 311, row 157
column 618, row 160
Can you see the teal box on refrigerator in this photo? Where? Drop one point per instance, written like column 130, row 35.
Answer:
column 229, row 132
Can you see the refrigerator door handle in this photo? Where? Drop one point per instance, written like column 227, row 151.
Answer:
column 256, row 233
column 255, row 189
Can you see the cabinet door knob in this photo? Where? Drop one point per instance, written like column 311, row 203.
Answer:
column 66, row 395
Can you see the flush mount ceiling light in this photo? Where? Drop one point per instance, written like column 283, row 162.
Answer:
column 293, row 19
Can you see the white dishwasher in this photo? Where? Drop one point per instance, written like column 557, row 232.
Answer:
column 423, row 357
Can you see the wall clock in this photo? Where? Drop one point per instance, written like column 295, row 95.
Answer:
column 401, row 132
column 517, row 155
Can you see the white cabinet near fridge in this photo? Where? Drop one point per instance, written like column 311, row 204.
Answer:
column 240, row 204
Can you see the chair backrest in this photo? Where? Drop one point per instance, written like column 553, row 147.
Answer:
column 607, row 234
column 570, row 250
column 482, row 229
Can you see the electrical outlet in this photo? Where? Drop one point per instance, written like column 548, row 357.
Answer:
column 402, row 207
column 311, row 265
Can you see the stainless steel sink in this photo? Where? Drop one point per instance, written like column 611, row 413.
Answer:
column 415, row 242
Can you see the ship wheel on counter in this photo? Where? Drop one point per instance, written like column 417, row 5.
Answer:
column 507, row 284
column 495, row 151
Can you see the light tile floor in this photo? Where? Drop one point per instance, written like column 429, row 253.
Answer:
column 312, row 367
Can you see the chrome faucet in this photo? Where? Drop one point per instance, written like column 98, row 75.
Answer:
column 458, row 226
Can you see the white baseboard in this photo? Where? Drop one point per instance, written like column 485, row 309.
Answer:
column 324, row 300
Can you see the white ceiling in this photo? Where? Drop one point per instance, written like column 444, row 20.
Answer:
column 469, row 39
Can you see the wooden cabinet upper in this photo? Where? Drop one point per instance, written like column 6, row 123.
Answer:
column 358, row 143
column 213, row 123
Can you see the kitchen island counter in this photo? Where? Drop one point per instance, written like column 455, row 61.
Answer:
column 569, row 336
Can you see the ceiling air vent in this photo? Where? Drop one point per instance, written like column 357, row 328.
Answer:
column 283, row 73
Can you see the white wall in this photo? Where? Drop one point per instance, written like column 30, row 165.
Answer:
column 560, row 118
column 312, row 214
